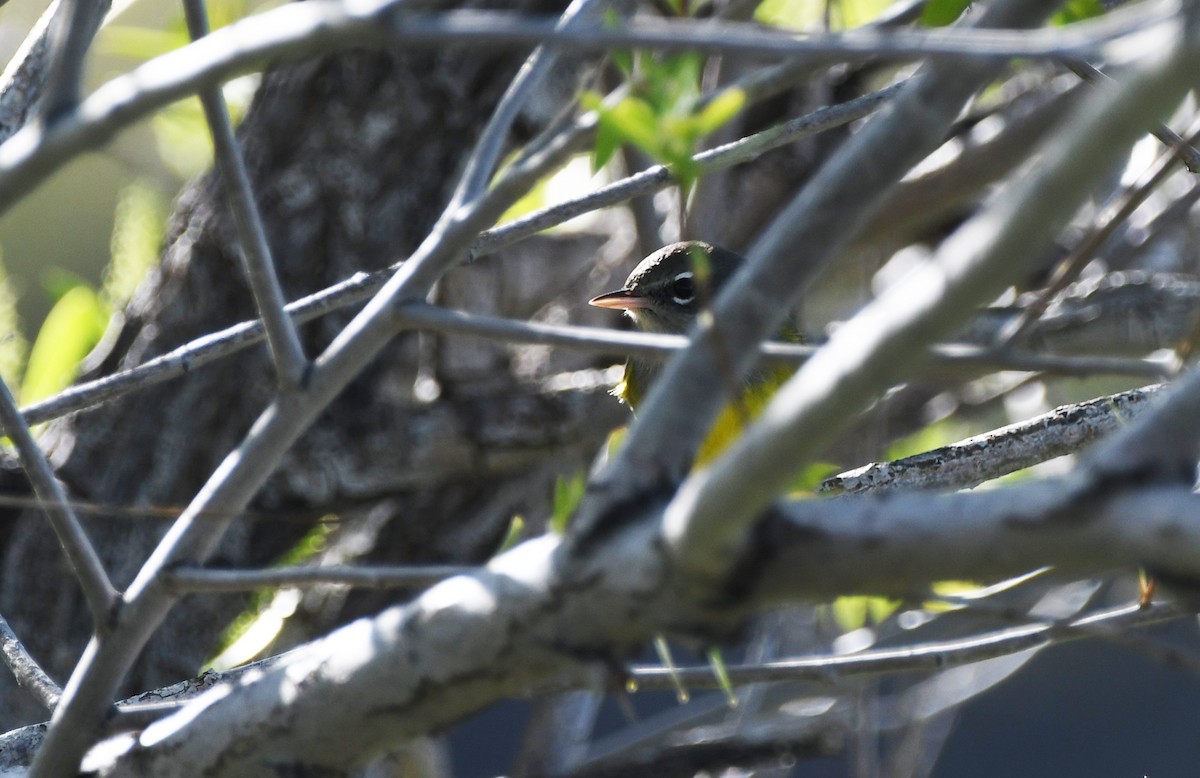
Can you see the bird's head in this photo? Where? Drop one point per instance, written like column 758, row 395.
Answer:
column 668, row 288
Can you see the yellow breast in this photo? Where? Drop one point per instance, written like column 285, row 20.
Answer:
column 733, row 418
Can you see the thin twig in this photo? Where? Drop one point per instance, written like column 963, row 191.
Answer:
column 312, row 28
column 1171, row 139
column 70, row 36
column 1117, row 212
column 29, row 674
column 1095, row 626
column 282, row 338
column 1053, row 364
column 927, row 657
column 209, row 348
column 185, row 580
column 1160, row 224
column 480, row 167
column 660, row 346
column 775, row 79
column 499, row 28
column 85, row 563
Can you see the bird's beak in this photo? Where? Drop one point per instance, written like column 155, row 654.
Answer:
column 621, row 300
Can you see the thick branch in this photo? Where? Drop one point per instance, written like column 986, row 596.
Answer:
column 528, row 621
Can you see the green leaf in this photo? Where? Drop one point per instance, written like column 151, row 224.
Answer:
column 616, row 439
column 720, row 110
column 808, row 479
column 939, row 13
column 143, row 43
column 1077, row 11
column 137, row 238
column 72, row 328
column 856, row 611
column 686, row 172
column 529, row 202
column 608, row 140
column 940, row 433
column 139, row 43
column 181, row 136
column 855, row 13
column 623, row 59
column 513, row 535
column 664, row 655
column 181, row 132
column 634, row 119
column 660, row 117
column 790, row 14
column 568, row 491
column 879, row 608
column 850, row 612
column 674, row 82
column 591, row 101
column 717, row 660
column 13, row 345
column 257, row 627
column 57, row 282
column 314, row 542
column 223, row 12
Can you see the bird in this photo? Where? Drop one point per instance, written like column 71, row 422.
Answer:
column 665, row 293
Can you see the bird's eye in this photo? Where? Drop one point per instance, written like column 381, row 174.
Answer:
column 683, row 288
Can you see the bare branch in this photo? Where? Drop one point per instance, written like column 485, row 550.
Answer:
column 486, row 155
column 1177, row 145
column 968, row 463
column 85, row 563
column 284, row 341
column 658, row 346
column 24, row 77
column 70, row 36
column 29, row 674
column 184, row 580
column 929, row 657
column 715, row 37
column 1116, row 213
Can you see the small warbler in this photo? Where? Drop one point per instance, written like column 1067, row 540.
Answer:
column 665, row 293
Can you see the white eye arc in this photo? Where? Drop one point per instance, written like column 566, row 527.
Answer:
column 683, row 288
